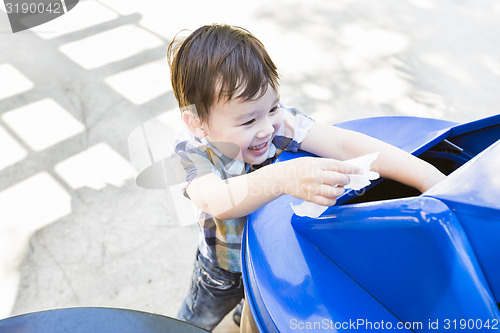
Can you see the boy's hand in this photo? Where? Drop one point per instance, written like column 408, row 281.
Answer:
column 318, row 180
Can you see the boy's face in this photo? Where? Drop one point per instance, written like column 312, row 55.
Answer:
column 250, row 126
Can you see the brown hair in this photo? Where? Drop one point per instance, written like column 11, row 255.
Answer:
column 219, row 62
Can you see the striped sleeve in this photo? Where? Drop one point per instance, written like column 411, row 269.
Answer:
column 295, row 127
column 195, row 161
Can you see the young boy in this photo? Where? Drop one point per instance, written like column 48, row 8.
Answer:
column 227, row 88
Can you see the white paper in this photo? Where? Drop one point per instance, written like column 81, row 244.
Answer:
column 309, row 209
column 357, row 182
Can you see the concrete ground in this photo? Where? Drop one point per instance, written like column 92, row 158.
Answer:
column 75, row 230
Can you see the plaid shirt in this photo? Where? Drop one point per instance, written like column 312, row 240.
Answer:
column 220, row 240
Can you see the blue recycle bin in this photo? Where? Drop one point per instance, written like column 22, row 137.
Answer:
column 390, row 259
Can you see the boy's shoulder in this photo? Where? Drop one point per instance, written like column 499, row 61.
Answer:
column 199, row 157
column 186, row 143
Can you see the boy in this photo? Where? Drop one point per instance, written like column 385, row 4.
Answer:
column 227, row 88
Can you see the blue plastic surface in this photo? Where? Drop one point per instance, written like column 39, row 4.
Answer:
column 94, row 320
column 429, row 259
column 290, row 280
column 412, row 255
column 473, row 193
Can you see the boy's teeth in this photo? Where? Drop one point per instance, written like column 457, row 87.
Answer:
column 259, row 146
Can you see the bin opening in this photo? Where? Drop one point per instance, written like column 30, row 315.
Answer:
column 445, row 156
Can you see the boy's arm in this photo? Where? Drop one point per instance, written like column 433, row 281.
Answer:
column 393, row 163
column 318, row 180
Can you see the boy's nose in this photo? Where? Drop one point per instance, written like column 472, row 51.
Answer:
column 266, row 129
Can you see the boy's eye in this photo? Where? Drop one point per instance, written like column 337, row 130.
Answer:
column 248, row 123
column 274, row 109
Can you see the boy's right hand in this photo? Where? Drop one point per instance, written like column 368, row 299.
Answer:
column 314, row 179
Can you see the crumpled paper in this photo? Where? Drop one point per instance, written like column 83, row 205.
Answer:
column 357, row 182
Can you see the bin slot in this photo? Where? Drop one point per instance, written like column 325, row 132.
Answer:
column 445, row 156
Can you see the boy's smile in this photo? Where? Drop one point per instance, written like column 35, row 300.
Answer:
column 250, row 125
column 259, row 148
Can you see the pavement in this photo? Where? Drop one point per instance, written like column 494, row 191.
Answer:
column 75, row 229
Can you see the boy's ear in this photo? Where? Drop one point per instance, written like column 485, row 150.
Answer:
column 194, row 124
